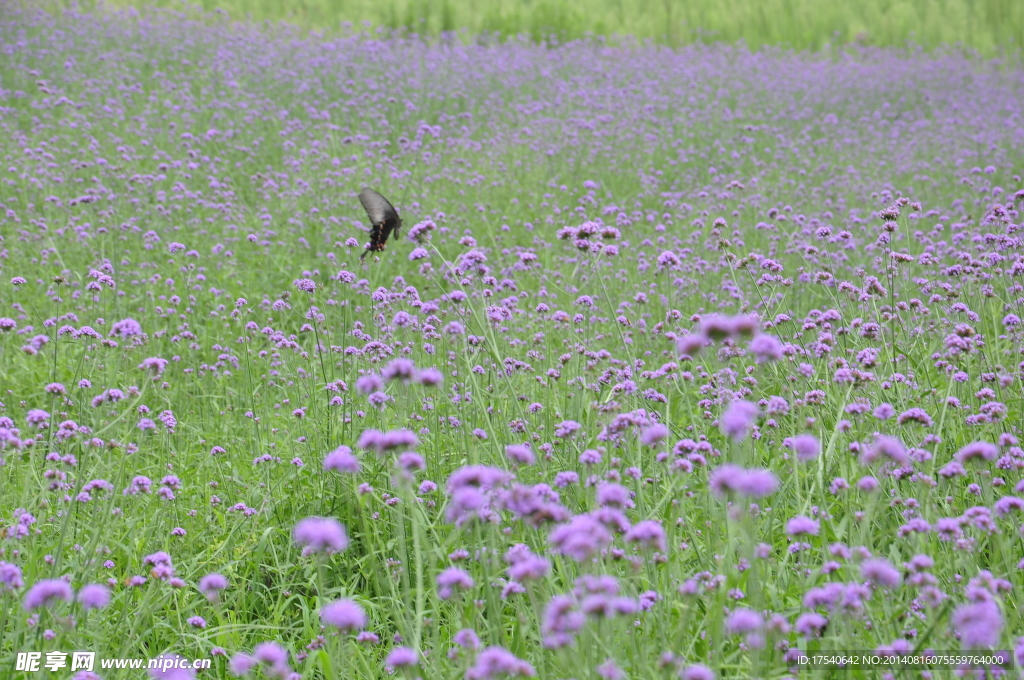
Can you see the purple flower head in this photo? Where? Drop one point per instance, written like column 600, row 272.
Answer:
column 402, row 657
column 765, row 348
column 690, row 345
column 810, row 624
column 344, row 615
column 738, row 418
column 980, row 451
column 716, row 327
column 44, row 592
column 342, row 460
column 520, row 454
column 979, row 624
column 452, row 578
column 242, row 664
column 399, row 369
column 880, row 572
column 562, row 619
column 581, row 538
column 648, row 533
column 886, row 447
column 154, row 364
column 800, row 525
column 614, row 495
column 370, row 383
column 696, row 671
column 566, row 428
column 171, row 667
column 320, row 534
column 742, row 621
column 430, row 377
column 529, row 568
column 10, row 576
column 274, row 659
column 497, row 662
column 211, row 585
column 383, row 442
column 467, row 639
column 94, row 596
column 126, row 328
column 806, row 447
column 654, row 435
column 728, row 480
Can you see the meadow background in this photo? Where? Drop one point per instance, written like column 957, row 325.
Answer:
column 691, row 358
column 989, row 26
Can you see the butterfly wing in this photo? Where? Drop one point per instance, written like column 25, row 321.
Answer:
column 383, row 217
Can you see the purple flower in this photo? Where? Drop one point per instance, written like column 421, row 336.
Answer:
column 983, row 451
column 452, row 578
column 728, row 479
column 44, row 592
column 979, row 624
column 382, row 442
column 401, row 657
column 886, row 447
column 742, row 621
column 562, row 619
column 884, row 411
column 566, row 428
column 430, row 377
column 529, row 568
column 344, row 615
column 341, row 459
column 696, row 672
column 10, row 576
column 172, row 667
column 654, row 435
column 399, row 369
column 581, row 538
column 211, row 585
column 738, row 418
column 648, row 533
column 520, row 454
column 242, row 664
column 880, row 572
column 94, row 596
column 273, row 657
column 614, row 495
column 609, row 670
column 806, row 447
column 495, row 662
column 467, row 639
column 810, row 624
column 800, row 525
column 690, row 345
column 765, row 348
column 320, row 534
column 126, row 328
column 154, row 364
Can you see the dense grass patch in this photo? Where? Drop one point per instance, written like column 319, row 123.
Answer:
column 989, row 26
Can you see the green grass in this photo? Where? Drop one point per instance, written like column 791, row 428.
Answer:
column 988, row 26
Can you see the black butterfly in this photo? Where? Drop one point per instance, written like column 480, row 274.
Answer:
column 383, row 217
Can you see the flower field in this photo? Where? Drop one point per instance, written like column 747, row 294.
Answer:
column 694, row 363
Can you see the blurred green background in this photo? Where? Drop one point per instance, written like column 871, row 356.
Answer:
column 988, row 26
